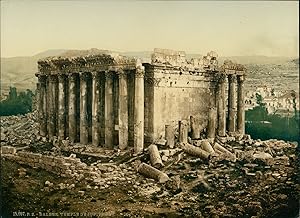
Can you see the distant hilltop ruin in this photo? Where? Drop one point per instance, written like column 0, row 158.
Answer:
column 106, row 99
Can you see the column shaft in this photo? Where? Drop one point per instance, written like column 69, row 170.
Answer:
column 169, row 136
column 241, row 105
column 231, row 103
column 139, row 110
column 96, row 109
column 195, row 128
column 72, row 107
column 183, row 132
column 109, row 110
column 61, row 106
column 221, row 107
column 42, row 106
column 211, row 127
column 84, row 128
column 123, row 111
column 52, row 106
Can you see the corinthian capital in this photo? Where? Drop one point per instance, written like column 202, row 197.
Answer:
column 232, row 78
column 241, row 78
column 53, row 78
column 140, row 71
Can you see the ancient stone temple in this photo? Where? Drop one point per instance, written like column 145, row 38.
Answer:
column 106, row 99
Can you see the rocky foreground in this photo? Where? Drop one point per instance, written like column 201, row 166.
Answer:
column 229, row 177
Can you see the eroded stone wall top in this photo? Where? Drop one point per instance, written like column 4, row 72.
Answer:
column 178, row 59
column 104, row 60
column 86, row 61
column 208, row 62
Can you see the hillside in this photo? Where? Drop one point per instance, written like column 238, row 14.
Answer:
column 19, row 71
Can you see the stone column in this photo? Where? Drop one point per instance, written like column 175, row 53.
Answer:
column 42, row 105
column 139, row 110
column 72, row 107
column 52, row 106
column 109, row 110
column 195, row 130
column 96, row 109
column 123, row 110
column 183, row 131
column 84, row 128
column 211, row 127
column 169, row 136
column 61, row 106
column 221, row 106
column 240, row 104
column 231, row 103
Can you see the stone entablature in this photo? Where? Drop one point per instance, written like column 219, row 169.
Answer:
column 229, row 67
column 88, row 63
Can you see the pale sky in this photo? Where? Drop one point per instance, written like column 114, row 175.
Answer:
column 229, row 28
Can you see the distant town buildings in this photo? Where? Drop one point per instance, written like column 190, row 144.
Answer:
column 277, row 102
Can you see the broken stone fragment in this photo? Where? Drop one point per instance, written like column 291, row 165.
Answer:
column 220, row 148
column 263, row 156
column 72, row 156
column 195, row 151
column 153, row 173
column 160, row 141
column 165, row 152
column 81, row 192
column 247, row 137
column 224, row 152
column 206, row 146
column 164, row 158
column 48, row 183
column 155, row 158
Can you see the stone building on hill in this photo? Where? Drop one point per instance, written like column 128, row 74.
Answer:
column 105, row 99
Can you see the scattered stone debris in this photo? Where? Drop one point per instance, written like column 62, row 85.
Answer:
column 20, row 130
column 233, row 176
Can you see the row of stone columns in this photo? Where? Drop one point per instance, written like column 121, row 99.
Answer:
column 236, row 115
column 58, row 107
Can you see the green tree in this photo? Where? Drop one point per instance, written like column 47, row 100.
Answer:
column 21, row 104
column 259, row 99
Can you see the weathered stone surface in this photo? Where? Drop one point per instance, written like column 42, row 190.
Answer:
column 206, row 146
column 155, row 156
column 196, row 151
column 152, row 172
column 170, row 136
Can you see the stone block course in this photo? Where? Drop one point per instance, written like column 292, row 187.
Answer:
column 63, row 166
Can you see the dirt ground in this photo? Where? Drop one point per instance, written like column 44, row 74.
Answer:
column 25, row 194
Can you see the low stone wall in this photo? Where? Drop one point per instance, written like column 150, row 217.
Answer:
column 63, row 166
column 8, row 150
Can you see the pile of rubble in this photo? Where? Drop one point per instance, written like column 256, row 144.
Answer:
column 21, row 130
column 228, row 177
column 231, row 149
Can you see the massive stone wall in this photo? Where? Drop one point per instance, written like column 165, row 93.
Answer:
column 174, row 95
column 177, row 89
